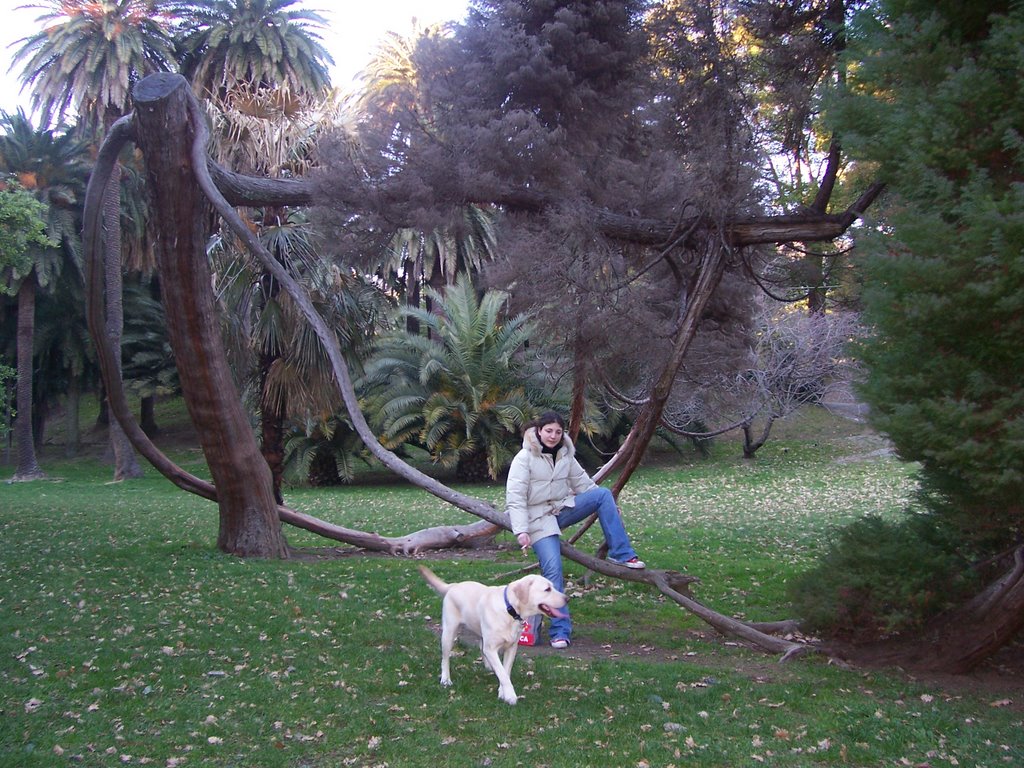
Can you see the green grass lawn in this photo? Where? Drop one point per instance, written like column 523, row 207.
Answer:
column 127, row 639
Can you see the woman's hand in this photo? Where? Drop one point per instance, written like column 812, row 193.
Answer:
column 524, row 542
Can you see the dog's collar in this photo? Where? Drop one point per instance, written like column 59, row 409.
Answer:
column 508, row 607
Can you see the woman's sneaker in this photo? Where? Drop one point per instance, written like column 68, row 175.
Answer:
column 559, row 643
column 634, row 562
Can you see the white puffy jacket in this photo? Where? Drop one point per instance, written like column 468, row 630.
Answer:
column 540, row 485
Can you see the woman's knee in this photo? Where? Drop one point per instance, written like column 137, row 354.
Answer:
column 606, row 501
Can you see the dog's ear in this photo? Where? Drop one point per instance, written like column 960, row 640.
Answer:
column 521, row 591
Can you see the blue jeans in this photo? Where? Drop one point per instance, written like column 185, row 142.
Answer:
column 549, row 552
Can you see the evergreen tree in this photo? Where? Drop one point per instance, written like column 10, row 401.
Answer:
column 935, row 104
column 938, row 104
column 556, row 110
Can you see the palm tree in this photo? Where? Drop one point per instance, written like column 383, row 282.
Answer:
column 88, row 55
column 86, row 58
column 462, row 390
column 415, row 259
column 50, row 165
column 267, row 133
column 264, row 73
column 253, row 45
column 288, row 372
column 25, row 262
column 263, row 69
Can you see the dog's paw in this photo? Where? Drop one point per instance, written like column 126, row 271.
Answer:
column 446, row 682
column 509, row 697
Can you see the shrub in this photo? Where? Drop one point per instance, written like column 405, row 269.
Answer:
column 879, row 578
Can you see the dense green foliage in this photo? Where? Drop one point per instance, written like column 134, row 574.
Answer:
column 22, row 235
column 460, row 388
column 945, row 291
column 252, row 44
column 86, row 57
column 935, row 103
column 879, row 576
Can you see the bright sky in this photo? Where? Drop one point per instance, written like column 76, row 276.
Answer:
column 355, row 29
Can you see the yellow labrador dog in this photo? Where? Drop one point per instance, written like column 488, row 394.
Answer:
column 495, row 616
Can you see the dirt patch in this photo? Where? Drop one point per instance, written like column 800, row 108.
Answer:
column 1000, row 681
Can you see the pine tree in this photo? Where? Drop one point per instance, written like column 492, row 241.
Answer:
column 935, row 104
column 938, row 104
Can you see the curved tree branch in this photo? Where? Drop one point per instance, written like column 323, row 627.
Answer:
column 121, row 134
column 326, row 337
column 675, row 586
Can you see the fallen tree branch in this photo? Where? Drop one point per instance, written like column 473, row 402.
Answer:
column 806, row 226
column 734, row 627
column 676, row 586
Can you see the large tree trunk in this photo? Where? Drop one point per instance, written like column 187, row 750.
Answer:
column 752, row 445
column 126, row 464
column 249, row 524
column 147, row 415
column 28, row 466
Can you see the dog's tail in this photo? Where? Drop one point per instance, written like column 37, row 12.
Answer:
column 439, row 586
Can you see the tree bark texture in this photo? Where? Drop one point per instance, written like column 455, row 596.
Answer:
column 249, row 524
column 272, row 420
column 147, row 415
column 28, row 465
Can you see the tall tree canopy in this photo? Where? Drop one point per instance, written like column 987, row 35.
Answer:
column 555, row 111
column 88, row 55
column 26, row 262
column 227, row 45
